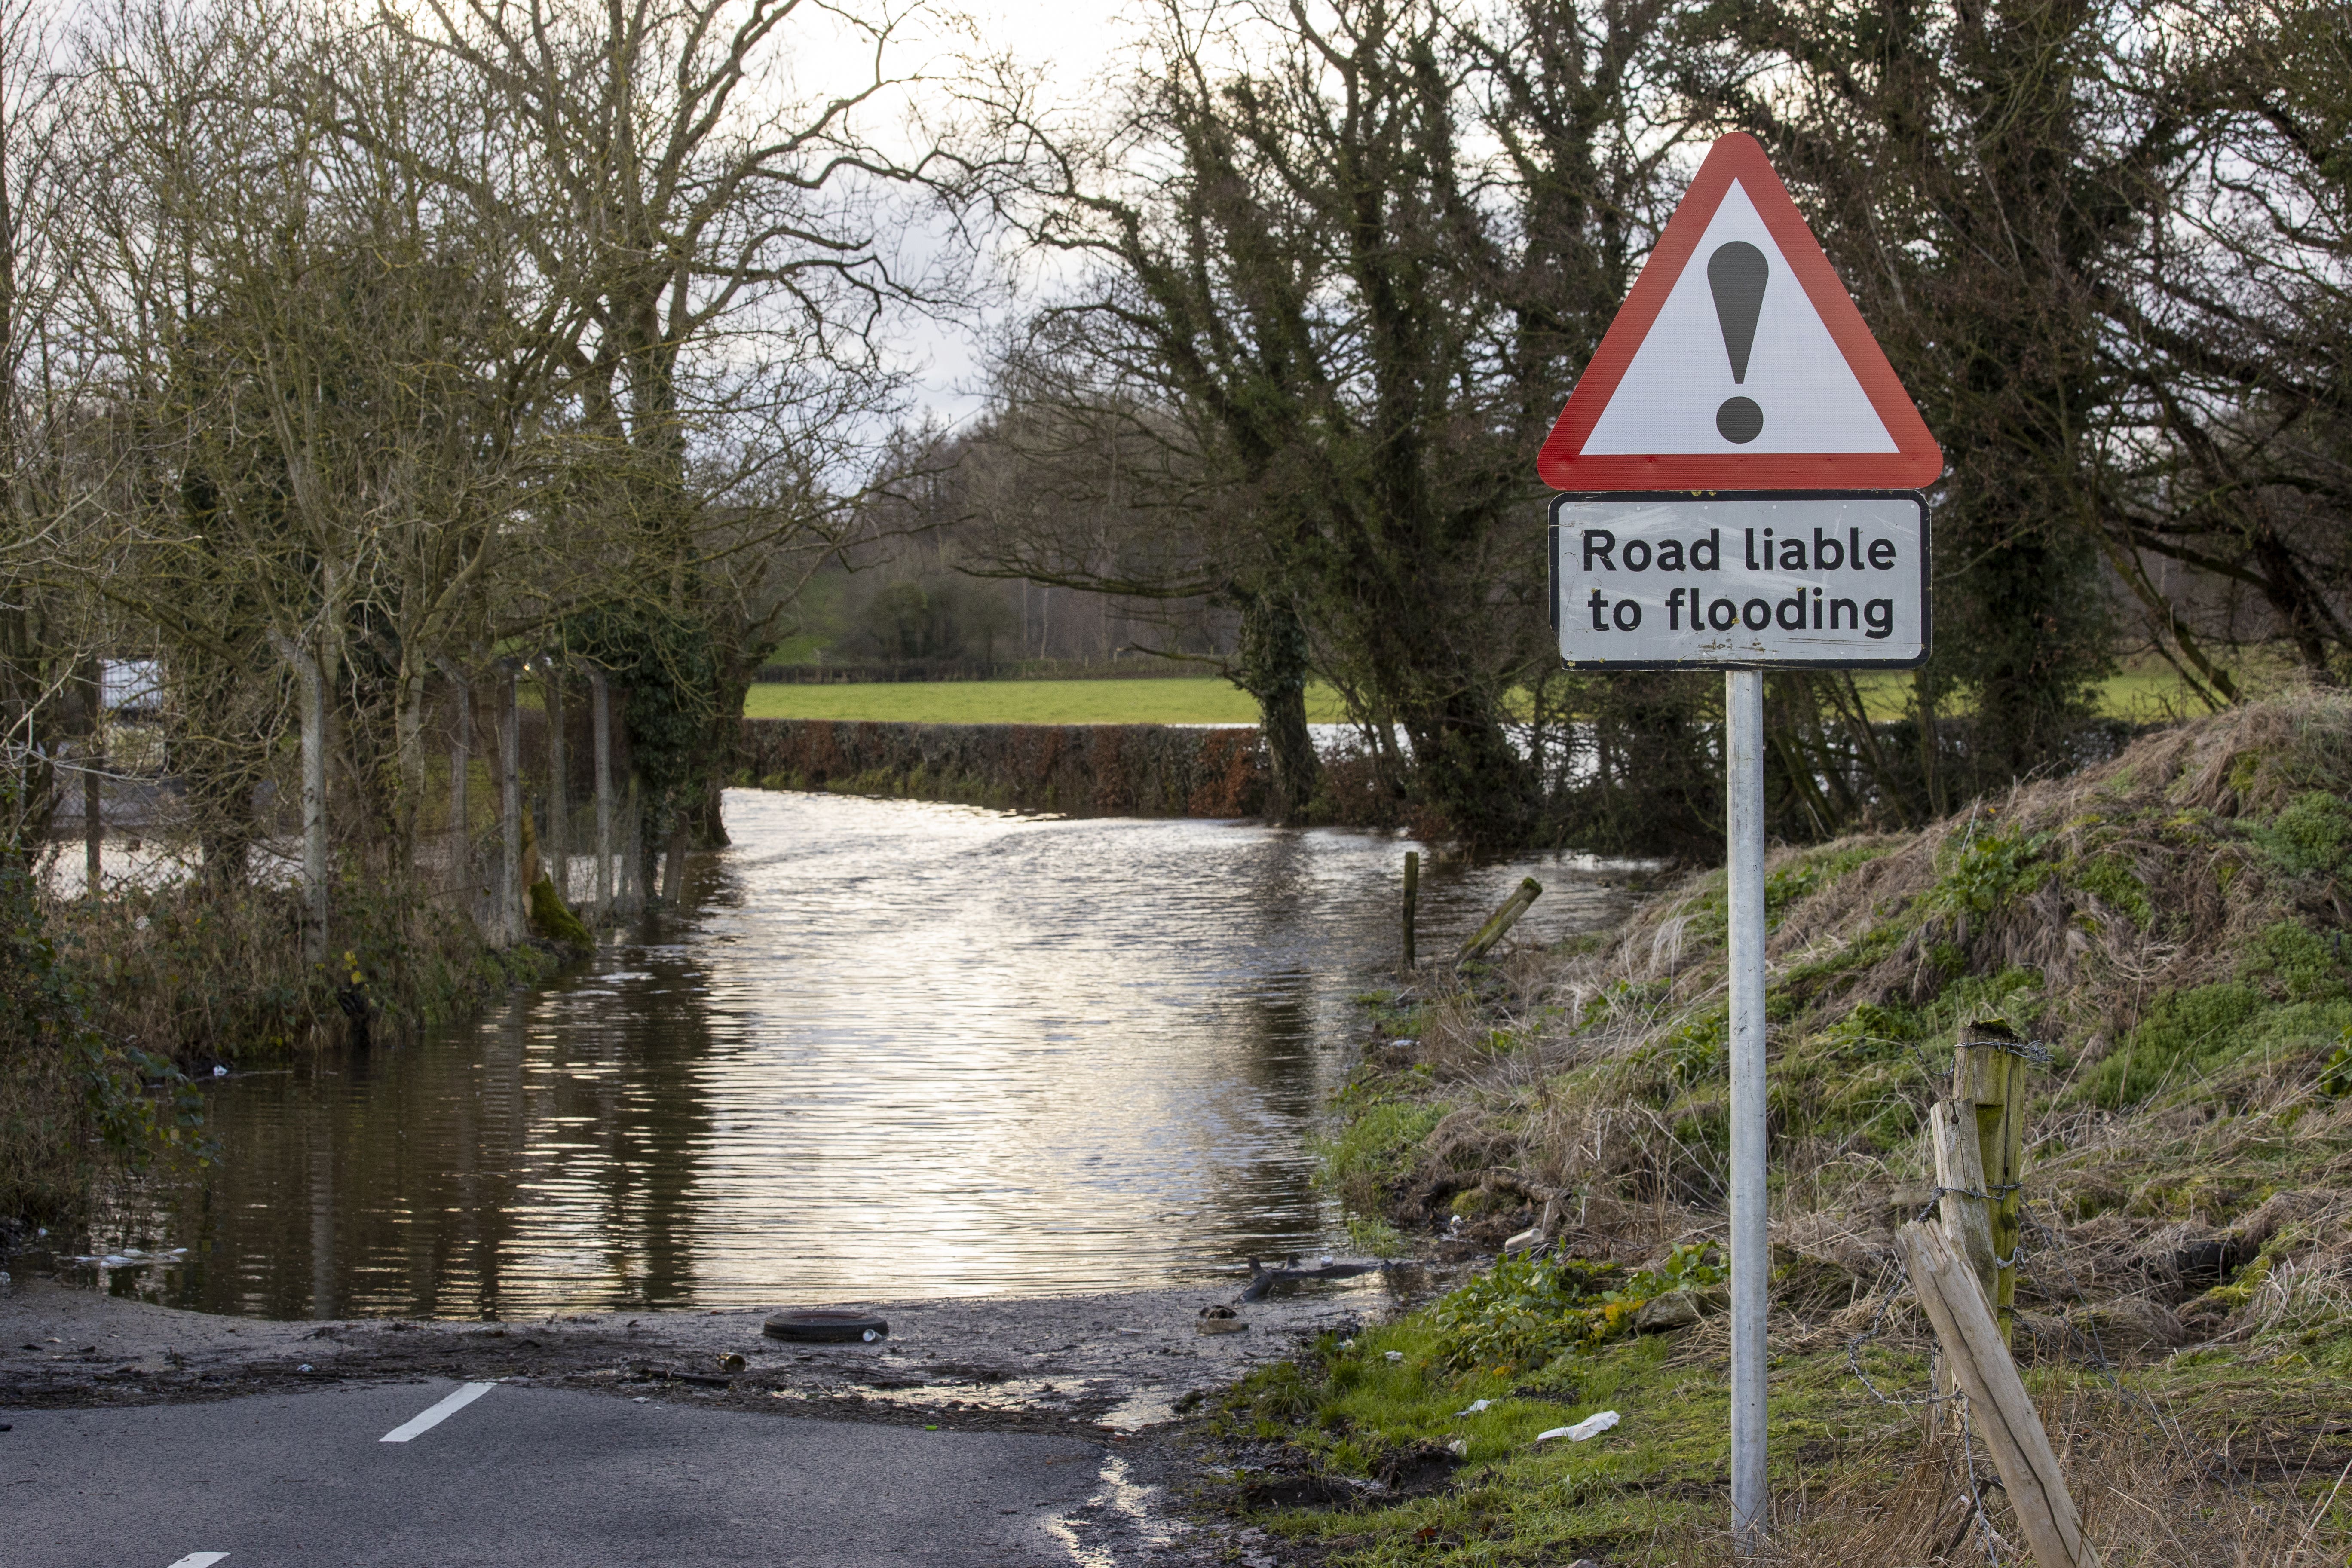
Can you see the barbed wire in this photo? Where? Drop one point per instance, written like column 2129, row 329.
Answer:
column 2051, row 1252
column 1978, row 1519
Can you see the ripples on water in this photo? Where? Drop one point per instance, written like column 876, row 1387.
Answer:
column 889, row 1049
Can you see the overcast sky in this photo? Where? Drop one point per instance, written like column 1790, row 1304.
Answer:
column 1075, row 43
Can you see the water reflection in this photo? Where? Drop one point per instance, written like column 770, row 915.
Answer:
column 890, row 1049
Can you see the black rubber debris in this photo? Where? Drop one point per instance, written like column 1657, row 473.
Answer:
column 830, row 1325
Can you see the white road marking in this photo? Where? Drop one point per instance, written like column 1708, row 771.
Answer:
column 200, row 1560
column 431, row 1418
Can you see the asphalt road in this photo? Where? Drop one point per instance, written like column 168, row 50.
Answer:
column 523, row 1477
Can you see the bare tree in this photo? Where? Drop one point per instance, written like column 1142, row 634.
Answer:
column 46, row 633
column 711, row 234
column 1356, row 252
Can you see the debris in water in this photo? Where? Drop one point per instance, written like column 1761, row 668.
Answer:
column 1264, row 1277
column 826, row 1324
column 1221, row 1321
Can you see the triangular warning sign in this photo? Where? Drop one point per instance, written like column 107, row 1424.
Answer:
column 1738, row 363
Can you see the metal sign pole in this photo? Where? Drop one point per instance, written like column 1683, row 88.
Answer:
column 1743, row 692
column 1679, row 540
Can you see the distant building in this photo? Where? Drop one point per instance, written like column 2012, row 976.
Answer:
column 130, row 687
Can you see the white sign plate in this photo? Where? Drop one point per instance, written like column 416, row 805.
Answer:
column 1675, row 582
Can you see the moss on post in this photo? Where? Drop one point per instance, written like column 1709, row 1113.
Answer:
column 1989, row 1072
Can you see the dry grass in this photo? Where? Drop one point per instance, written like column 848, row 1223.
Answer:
column 1601, row 1077
column 2145, row 1503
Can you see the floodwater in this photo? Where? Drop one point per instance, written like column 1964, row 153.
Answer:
column 887, row 1049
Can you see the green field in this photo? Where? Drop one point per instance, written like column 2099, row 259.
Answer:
column 2140, row 695
column 1205, row 701
column 2143, row 696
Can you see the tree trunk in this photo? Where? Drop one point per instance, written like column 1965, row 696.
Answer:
column 509, row 924
column 1468, row 771
column 408, row 745
column 1931, row 742
column 1272, row 667
column 461, row 766
column 604, row 727
column 559, row 796
column 313, row 683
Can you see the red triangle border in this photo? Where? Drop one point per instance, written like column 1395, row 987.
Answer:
column 1916, row 462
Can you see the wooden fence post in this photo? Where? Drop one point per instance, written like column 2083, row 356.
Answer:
column 1500, row 921
column 1989, row 1073
column 1412, row 897
column 1961, row 1183
column 1960, row 1204
column 1998, row 1406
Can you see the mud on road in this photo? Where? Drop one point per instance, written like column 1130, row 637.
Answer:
column 1119, row 1369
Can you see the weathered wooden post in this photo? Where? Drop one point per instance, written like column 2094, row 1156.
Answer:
column 1989, row 1073
column 559, row 811
column 1960, row 1185
column 1500, row 921
column 603, row 724
column 1961, row 1204
column 1999, row 1407
column 1412, row 897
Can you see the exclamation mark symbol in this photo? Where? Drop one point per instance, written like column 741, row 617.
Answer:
column 1737, row 272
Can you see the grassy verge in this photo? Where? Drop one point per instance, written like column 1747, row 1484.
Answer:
column 2168, row 924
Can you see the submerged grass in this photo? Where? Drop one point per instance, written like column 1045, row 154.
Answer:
column 2169, row 925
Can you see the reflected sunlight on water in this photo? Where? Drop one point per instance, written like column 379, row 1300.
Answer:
column 889, row 1049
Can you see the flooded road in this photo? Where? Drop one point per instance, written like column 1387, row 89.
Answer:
column 887, row 1049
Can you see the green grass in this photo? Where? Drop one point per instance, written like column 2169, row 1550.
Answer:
column 2140, row 695
column 1657, row 1474
column 1650, row 1493
column 1205, row 701
column 2149, row 692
